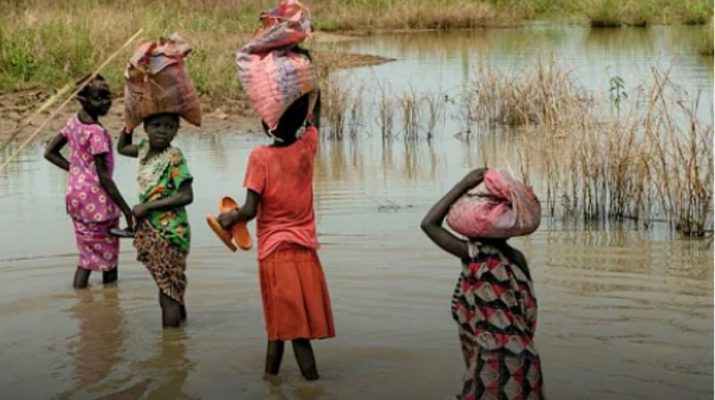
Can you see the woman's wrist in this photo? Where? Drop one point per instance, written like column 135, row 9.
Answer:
column 235, row 214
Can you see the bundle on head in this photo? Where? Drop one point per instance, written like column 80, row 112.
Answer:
column 157, row 83
column 272, row 69
column 498, row 208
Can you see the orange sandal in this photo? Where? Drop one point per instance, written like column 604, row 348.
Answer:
column 222, row 234
column 239, row 231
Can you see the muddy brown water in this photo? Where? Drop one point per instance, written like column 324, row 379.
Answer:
column 625, row 313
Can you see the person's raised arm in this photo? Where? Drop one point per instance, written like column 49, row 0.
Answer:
column 52, row 152
column 125, row 146
column 432, row 222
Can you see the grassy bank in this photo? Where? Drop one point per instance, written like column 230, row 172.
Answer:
column 615, row 13
column 706, row 41
column 47, row 43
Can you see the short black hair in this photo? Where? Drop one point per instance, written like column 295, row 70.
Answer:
column 292, row 119
column 85, row 80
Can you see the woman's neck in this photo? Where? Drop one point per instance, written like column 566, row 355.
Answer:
column 283, row 143
column 492, row 242
column 153, row 151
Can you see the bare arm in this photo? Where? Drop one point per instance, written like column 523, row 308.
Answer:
column 125, row 146
column 243, row 214
column 432, row 222
column 105, row 179
column 184, row 197
column 53, row 155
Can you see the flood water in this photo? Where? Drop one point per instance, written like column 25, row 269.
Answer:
column 624, row 313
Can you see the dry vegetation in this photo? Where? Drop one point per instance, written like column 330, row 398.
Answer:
column 644, row 156
column 615, row 13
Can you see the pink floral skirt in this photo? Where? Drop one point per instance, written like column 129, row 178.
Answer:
column 98, row 250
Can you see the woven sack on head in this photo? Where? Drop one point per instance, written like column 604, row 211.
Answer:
column 499, row 207
column 272, row 74
column 156, row 81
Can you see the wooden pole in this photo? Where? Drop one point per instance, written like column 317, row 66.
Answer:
column 57, row 111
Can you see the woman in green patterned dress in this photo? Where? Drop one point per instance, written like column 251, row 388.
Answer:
column 162, row 237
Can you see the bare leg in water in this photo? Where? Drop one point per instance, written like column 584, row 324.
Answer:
column 170, row 311
column 306, row 360
column 81, row 278
column 274, row 356
column 110, row 276
column 303, row 355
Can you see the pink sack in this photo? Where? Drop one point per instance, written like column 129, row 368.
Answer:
column 272, row 75
column 156, row 82
column 499, row 207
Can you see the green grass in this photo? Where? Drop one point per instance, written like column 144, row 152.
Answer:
column 604, row 13
column 44, row 45
column 48, row 43
column 706, row 41
column 696, row 12
column 614, row 13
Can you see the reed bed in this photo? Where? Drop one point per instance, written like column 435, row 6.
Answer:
column 385, row 115
column 409, row 116
column 541, row 94
column 335, row 105
column 647, row 158
column 645, row 155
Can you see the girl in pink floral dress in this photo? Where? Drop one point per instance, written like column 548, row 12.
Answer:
column 92, row 198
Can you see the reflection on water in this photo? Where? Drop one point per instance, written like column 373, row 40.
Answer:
column 172, row 366
column 98, row 344
column 624, row 312
column 636, row 303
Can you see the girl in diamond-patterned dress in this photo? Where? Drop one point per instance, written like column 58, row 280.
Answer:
column 494, row 307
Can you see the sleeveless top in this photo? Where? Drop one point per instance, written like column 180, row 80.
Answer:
column 494, row 304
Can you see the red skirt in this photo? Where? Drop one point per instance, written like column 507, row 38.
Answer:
column 296, row 304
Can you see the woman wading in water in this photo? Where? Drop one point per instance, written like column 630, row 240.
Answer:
column 494, row 307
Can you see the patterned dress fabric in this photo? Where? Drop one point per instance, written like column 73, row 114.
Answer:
column 166, row 264
column 93, row 212
column 495, row 309
column 160, row 176
column 163, row 238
